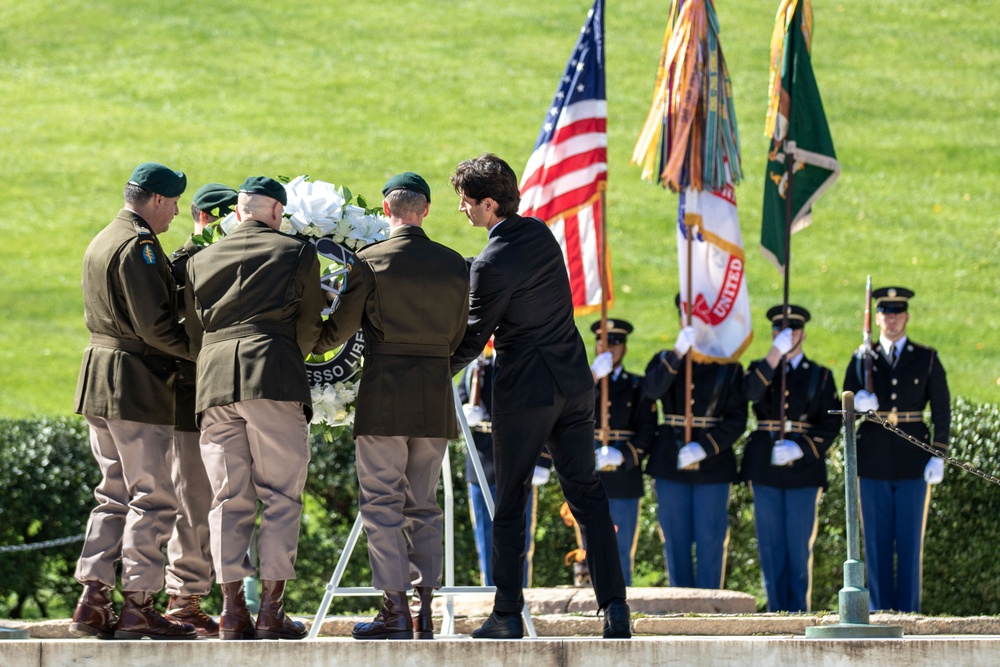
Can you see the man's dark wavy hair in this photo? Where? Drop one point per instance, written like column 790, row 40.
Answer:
column 488, row 176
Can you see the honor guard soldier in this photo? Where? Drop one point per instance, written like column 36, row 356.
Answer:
column 895, row 476
column 631, row 423
column 693, row 479
column 785, row 461
column 189, row 556
column 125, row 392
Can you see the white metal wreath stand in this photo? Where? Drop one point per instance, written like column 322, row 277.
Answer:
column 449, row 590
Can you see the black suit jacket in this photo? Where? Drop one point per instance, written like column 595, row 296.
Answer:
column 520, row 294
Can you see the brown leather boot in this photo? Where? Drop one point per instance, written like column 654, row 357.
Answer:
column 393, row 622
column 420, row 610
column 271, row 621
column 187, row 609
column 140, row 620
column 235, row 621
column 94, row 616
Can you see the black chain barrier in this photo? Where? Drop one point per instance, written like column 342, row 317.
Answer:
column 873, row 416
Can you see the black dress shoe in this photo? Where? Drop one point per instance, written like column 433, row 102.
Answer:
column 617, row 621
column 500, row 626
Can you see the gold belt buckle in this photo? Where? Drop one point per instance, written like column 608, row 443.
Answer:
column 893, row 417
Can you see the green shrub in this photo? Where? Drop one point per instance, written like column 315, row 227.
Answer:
column 47, row 474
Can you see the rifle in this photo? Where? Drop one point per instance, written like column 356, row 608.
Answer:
column 866, row 346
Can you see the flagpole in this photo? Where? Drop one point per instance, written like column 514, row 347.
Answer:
column 688, row 322
column 602, row 263
column 789, row 211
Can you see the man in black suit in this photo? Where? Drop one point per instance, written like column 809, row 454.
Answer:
column 542, row 391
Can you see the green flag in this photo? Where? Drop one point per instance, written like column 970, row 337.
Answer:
column 797, row 125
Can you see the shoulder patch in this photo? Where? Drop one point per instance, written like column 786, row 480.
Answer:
column 148, row 254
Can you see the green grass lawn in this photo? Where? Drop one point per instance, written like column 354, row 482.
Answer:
column 352, row 92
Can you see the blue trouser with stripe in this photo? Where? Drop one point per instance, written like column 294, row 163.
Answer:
column 786, row 531
column 894, row 515
column 694, row 515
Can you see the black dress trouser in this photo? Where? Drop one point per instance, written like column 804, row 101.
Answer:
column 567, row 428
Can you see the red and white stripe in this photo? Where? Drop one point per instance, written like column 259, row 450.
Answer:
column 563, row 184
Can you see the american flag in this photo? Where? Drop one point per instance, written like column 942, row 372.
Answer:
column 567, row 172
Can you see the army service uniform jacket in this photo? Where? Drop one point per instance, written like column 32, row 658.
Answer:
column 917, row 378
column 253, row 307
column 811, row 394
column 410, row 297
column 130, row 309
column 184, row 381
column 632, row 420
column 720, row 413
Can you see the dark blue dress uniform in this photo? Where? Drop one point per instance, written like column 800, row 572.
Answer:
column 693, row 504
column 632, row 420
column 894, row 495
column 786, row 498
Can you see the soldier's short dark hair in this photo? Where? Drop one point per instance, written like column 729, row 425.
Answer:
column 404, row 203
column 136, row 195
column 488, row 176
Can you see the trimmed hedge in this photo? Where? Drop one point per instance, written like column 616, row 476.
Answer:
column 47, row 474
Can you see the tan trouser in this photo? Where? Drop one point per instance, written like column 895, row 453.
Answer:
column 255, row 450
column 136, row 504
column 398, row 477
column 189, row 556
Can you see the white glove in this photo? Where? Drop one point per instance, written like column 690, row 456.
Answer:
column 473, row 414
column 689, row 454
column 540, row 476
column 783, row 342
column 609, row 458
column 603, row 365
column 685, row 340
column 863, row 401
column 934, row 472
column 784, row 452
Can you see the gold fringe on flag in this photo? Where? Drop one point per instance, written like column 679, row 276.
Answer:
column 786, row 10
column 693, row 105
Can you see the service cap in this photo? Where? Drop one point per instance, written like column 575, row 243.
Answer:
column 797, row 316
column 892, row 299
column 618, row 330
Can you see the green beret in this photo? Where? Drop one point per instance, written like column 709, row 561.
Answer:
column 267, row 186
column 408, row 181
column 158, row 179
column 215, row 199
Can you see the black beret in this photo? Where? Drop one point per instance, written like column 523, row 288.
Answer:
column 215, row 199
column 159, row 179
column 892, row 299
column 267, row 186
column 618, row 330
column 797, row 316
column 408, row 181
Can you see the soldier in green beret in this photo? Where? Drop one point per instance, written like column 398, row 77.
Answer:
column 410, row 297
column 189, row 555
column 254, row 305
column 125, row 393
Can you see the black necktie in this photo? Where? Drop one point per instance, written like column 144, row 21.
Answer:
column 892, row 354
